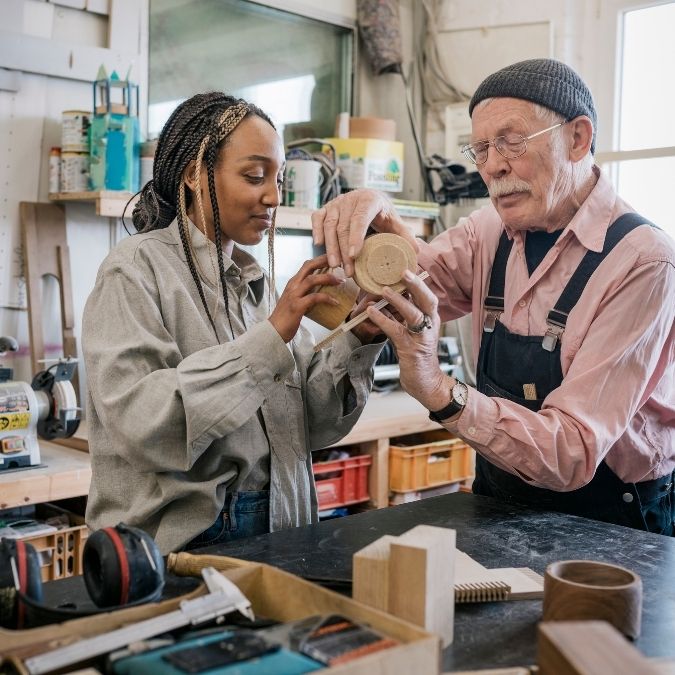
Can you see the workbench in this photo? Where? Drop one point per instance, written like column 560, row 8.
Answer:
column 498, row 634
column 63, row 473
column 385, row 416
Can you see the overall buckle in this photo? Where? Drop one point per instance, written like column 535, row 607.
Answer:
column 553, row 334
column 491, row 320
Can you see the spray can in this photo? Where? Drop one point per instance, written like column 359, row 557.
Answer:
column 54, row 170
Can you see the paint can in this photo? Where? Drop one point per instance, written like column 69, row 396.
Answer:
column 74, row 172
column 302, row 184
column 75, row 130
column 54, row 170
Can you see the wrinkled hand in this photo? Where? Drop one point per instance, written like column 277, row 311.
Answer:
column 342, row 224
column 421, row 374
column 298, row 298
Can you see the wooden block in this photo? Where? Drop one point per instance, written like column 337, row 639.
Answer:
column 588, row 648
column 421, row 579
column 370, row 580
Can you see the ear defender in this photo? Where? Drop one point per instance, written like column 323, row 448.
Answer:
column 122, row 566
column 19, row 575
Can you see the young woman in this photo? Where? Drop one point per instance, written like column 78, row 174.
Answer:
column 205, row 395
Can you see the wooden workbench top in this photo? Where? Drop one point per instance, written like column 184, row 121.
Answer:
column 66, row 473
column 388, row 415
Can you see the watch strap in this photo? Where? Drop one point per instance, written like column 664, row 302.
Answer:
column 445, row 413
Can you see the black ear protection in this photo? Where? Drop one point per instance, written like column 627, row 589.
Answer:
column 122, row 567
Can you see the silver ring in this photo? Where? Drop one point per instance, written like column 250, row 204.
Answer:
column 424, row 324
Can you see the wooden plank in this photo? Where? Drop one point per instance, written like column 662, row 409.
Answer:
column 44, row 56
column 370, row 580
column 421, row 579
column 587, row 648
column 66, row 473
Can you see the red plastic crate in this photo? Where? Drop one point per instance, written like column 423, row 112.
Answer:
column 349, row 486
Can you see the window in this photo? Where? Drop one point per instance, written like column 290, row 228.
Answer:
column 297, row 69
column 644, row 166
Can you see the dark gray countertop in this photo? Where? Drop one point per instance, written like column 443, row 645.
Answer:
column 496, row 535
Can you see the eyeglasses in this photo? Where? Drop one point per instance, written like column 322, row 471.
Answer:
column 510, row 146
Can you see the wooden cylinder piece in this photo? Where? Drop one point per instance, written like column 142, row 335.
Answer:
column 382, row 261
column 578, row 590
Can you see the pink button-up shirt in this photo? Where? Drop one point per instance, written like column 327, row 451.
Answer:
column 617, row 398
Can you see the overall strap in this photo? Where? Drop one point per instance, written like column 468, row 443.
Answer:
column 494, row 302
column 557, row 317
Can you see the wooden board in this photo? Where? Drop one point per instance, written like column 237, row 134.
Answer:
column 588, row 648
column 475, row 583
column 371, row 573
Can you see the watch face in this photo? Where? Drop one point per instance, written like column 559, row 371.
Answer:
column 460, row 393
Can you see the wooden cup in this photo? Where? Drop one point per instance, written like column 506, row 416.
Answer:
column 578, row 590
column 331, row 316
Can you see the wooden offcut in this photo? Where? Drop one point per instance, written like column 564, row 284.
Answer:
column 421, row 579
column 370, row 581
column 588, row 648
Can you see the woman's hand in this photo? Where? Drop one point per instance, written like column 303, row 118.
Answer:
column 342, row 224
column 297, row 298
column 366, row 331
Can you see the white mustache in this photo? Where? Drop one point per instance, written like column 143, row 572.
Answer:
column 504, row 186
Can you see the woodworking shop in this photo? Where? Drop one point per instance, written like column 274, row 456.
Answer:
column 337, row 335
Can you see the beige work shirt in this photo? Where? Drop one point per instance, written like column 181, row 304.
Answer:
column 176, row 420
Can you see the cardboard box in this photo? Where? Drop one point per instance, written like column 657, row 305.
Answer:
column 274, row 594
column 370, row 162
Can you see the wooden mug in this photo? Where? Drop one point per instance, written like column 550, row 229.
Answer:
column 331, row 316
column 578, row 590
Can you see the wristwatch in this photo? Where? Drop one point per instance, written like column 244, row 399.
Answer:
column 460, row 396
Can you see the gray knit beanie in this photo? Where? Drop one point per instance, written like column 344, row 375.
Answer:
column 545, row 81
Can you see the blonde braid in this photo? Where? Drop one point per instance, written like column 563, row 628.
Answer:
column 188, row 236
column 270, row 260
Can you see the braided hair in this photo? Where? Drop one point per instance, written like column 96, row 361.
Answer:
column 197, row 129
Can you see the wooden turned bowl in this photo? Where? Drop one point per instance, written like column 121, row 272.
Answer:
column 331, row 316
column 578, row 590
column 382, row 261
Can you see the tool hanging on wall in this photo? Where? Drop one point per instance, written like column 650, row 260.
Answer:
column 46, row 408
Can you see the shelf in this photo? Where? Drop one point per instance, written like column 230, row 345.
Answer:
column 111, row 204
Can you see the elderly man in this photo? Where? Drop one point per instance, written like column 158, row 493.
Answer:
column 573, row 299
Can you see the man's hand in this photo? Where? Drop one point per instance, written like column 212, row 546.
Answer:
column 342, row 223
column 416, row 342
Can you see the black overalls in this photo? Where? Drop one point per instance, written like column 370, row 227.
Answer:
column 507, row 362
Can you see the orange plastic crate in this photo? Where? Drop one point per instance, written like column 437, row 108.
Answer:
column 443, row 459
column 349, row 486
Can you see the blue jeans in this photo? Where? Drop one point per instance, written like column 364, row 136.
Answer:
column 245, row 514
